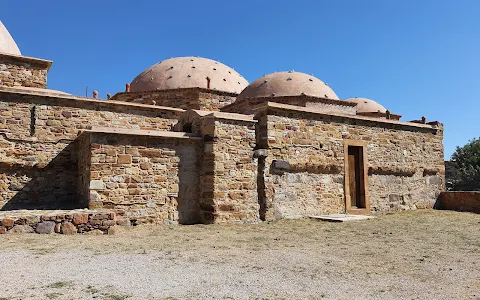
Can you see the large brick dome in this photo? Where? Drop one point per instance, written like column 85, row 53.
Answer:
column 365, row 105
column 7, row 43
column 189, row 72
column 288, row 84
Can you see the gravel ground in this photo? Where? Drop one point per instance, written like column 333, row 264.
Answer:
column 410, row 255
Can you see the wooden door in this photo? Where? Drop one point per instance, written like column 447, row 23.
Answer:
column 355, row 172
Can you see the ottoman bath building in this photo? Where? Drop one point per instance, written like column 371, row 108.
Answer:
column 189, row 140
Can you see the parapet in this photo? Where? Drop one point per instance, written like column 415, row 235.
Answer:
column 325, row 105
column 185, row 98
column 16, row 70
column 296, row 112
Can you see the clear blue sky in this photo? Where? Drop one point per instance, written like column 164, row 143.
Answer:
column 416, row 57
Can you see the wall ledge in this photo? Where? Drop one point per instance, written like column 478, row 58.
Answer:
column 69, row 100
column 32, row 60
column 153, row 133
column 285, row 107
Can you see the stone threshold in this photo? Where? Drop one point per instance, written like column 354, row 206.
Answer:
column 341, row 218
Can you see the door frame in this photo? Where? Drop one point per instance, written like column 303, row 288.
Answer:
column 346, row 185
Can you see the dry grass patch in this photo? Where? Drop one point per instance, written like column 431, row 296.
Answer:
column 423, row 229
column 414, row 254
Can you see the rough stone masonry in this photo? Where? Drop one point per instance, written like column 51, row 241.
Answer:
column 186, row 152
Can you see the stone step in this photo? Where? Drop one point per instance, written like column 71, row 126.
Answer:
column 341, row 217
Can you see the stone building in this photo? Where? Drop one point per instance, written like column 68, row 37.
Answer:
column 191, row 141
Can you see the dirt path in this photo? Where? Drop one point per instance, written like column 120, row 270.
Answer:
column 410, row 255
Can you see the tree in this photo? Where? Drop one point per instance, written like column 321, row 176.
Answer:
column 466, row 163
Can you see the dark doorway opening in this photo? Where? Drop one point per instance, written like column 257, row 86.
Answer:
column 187, row 128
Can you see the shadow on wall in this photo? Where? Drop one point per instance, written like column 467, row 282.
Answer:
column 49, row 188
column 188, row 192
column 207, row 178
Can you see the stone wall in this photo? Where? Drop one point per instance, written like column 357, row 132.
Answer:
column 246, row 106
column 332, row 107
column 23, row 71
column 37, row 175
column 459, row 201
column 229, row 170
column 185, row 98
column 64, row 222
column 215, row 100
column 305, row 163
column 302, row 177
column 38, row 155
column 53, row 118
column 16, row 119
column 151, row 177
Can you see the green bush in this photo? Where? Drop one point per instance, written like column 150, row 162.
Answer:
column 466, row 163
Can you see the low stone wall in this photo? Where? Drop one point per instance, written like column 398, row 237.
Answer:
column 185, row 98
column 66, row 222
column 23, row 71
column 459, row 201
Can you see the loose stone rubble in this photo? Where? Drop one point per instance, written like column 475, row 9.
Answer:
column 64, row 222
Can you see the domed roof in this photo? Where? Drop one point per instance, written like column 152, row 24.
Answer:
column 189, row 72
column 288, row 84
column 365, row 105
column 7, row 44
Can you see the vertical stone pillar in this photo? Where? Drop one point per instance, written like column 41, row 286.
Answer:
column 229, row 170
column 265, row 189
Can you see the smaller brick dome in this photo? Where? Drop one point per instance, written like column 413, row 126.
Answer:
column 7, row 43
column 365, row 105
column 288, row 84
